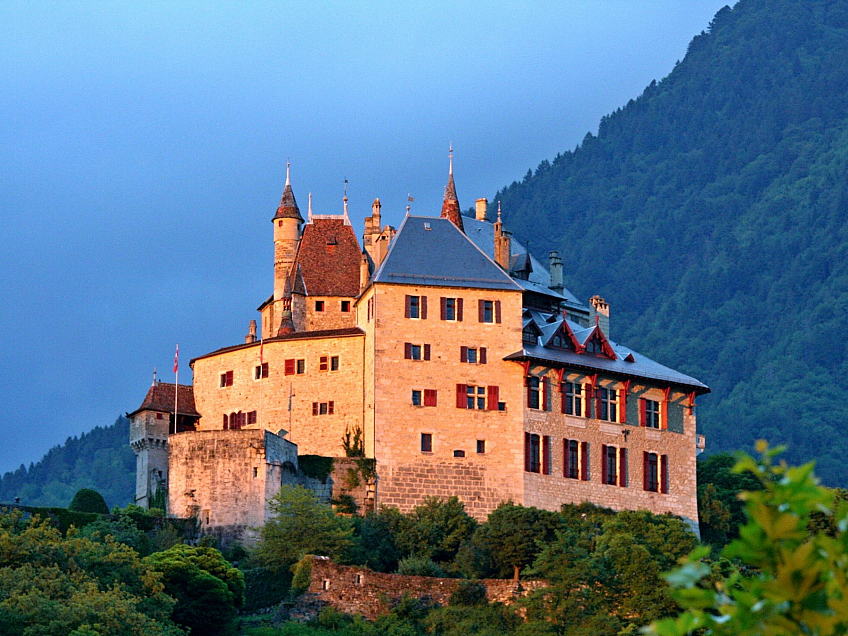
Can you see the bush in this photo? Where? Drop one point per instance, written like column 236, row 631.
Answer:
column 469, row 594
column 420, row 566
column 302, row 576
column 264, row 587
column 88, row 500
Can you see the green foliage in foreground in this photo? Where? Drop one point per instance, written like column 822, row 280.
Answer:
column 89, row 500
column 51, row 585
column 792, row 580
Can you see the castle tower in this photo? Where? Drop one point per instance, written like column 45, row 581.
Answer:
column 287, row 224
column 450, row 206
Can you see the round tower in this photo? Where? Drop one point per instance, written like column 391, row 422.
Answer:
column 287, row 226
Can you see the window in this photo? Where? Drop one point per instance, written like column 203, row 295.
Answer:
column 451, row 309
column 323, row 363
column 533, row 392
column 613, row 465
column 416, row 307
column 323, row 408
column 227, row 379
column 345, row 306
column 650, row 413
column 655, row 472
column 429, row 397
column 594, row 346
column 426, row 442
column 319, row 305
column 325, row 584
column 301, row 367
column 478, row 397
column 575, row 455
column 572, row 398
column 251, row 417
column 532, row 452
column 416, row 398
column 459, row 453
column 416, row 351
column 530, row 335
column 607, row 404
column 260, row 371
column 358, row 579
column 481, row 447
column 472, row 355
column 334, row 363
column 255, row 472
column 487, row 311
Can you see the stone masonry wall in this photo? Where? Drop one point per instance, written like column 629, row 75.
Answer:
column 357, row 590
column 406, row 474
column 286, row 401
column 551, row 491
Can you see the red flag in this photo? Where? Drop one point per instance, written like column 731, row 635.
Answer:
column 177, row 359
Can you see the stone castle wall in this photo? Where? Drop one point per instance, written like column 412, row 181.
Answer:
column 406, row 474
column 286, row 401
column 356, row 590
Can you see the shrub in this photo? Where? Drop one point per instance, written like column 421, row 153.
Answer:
column 302, row 576
column 88, row 500
column 469, row 594
column 420, row 566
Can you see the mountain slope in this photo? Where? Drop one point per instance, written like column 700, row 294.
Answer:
column 712, row 212
column 100, row 459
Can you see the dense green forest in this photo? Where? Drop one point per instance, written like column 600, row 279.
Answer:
column 712, row 213
column 100, row 459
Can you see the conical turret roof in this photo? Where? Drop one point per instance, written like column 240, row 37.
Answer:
column 288, row 206
column 450, row 206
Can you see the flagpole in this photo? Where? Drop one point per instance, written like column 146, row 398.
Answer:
column 176, row 385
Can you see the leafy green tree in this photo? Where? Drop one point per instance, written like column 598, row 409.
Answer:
column 209, row 591
column 792, row 581
column 302, row 525
column 434, row 529
column 720, row 509
column 88, row 500
column 516, row 535
column 374, row 543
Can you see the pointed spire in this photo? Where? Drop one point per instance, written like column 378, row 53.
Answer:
column 286, row 324
column 154, row 376
column 309, row 210
column 450, row 206
column 288, row 206
column 499, row 212
column 344, row 199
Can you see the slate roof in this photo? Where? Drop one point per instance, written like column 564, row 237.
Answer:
column 482, row 233
column 160, row 397
column 288, row 206
column 328, row 259
column 441, row 255
column 642, row 367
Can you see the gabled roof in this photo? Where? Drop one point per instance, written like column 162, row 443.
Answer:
column 639, row 367
column 160, row 398
column 433, row 251
column 327, row 261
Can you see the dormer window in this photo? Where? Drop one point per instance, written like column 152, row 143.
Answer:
column 593, row 346
column 530, row 334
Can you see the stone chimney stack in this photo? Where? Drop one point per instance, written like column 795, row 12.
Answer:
column 364, row 272
column 556, row 272
column 480, row 209
column 251, row 332
column 599, row 310
column 503, row 243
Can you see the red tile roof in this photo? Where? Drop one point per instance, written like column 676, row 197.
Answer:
column 160, row 398
column 328, row 258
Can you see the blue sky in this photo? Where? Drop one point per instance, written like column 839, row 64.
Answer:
column 143, row 150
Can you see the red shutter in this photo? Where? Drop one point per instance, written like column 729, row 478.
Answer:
column 408, row 309
column 565, row 457
column 463, row 354
column 546, row 455
column 664, row 415
column 423, row 308
column 544, row 389
column 443, row 308
column 643, row 412
column 645, row 464
column 330, row 407
column 426, row 352
column 459, row 309
column 481, row 310
column 622, row 467
column 461, row 390
column 482, row 359
column 603, row 463
column 584, row 467
column 229, row 378
column 589, row 390
column 315, row 408
column 225, row 422
column 527, row 452
column 430, row 397
column 622, row 406
column 290, row 367
column 407, row 350
column 664, row 475
column 498, row 311
column 493, row 397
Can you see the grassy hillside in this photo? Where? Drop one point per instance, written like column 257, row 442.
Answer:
column 100, row 459
column 712, row 212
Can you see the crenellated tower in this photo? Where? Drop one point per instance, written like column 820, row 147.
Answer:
column 287, row 233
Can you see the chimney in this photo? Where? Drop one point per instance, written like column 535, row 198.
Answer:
column 480, row 209
column 503, row 244
column 599, row 310
column 556, row 272
column 364, row 272
column 251, row 332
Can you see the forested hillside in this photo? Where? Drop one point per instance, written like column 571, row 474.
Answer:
column 712, row 213
column 100, row 459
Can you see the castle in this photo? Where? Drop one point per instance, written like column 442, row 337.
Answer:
column 461, row 361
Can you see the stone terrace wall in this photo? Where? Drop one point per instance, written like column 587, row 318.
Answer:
column 356, row 590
